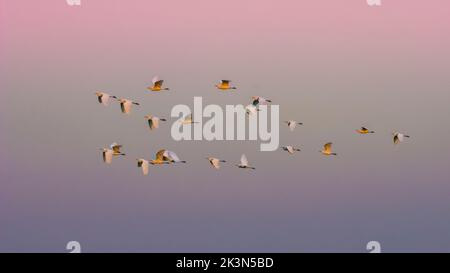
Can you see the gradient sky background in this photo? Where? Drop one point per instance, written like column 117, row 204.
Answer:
column 334, row 65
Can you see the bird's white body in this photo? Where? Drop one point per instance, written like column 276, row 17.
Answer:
column 153, row 122
column 215, row 162
column 291, row 149
column 103, row 98
column 126, row 105
column 292, row 124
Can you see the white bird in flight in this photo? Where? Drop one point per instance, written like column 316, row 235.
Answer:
column 244, row 163
column 256, row 101
column 292, row 124
column 291, row 149
column 215, row 162
column 187, row 120
column 153, row 122
column 103, row 98
column 328, row 149
column 126, row 105
column 143, row 164
column 399, row 137
column 108, row 155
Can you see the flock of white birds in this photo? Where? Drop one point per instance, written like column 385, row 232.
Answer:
column 164, row 156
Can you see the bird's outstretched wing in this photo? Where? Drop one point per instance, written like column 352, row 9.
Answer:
column 171, row 156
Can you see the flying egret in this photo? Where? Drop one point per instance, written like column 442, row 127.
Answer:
column 399, row 137
column 327, row 149
column 215, row 162
column 125, row 105
column 116, row 149
column 244, row 163
column 291, row 149
column 256, row 100
column 157, row 85
column 292, row 124
column 108, row 155
column 225, row 85
column 365, row 131
column 153, row 122
column 187, row 120
column 143, row 164
column 103, row 98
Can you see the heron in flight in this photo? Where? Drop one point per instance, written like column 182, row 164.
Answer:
column 365, row 131
column 157, row 85
column 399, row 137
column 225, row 85
column 328, row 149
column 103, row 98
column 126, row 105
column 292, row 124
column 256, row 101
column 187, row 120
column 215, row 162
column 244, row 163
column 153, row 122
